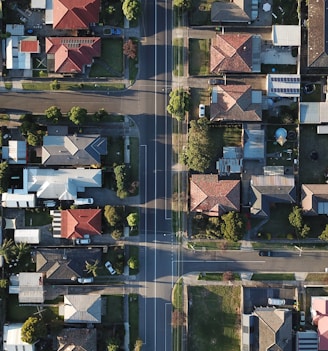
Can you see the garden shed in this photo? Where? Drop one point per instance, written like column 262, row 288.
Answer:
column 29, row 236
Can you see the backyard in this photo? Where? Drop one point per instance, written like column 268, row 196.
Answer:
column 214, row 318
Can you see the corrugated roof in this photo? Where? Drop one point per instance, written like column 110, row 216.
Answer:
column 82, row 308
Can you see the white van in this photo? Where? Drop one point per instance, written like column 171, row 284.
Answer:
column 276, row 302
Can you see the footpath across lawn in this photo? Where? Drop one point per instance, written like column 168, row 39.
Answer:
column 214, row 318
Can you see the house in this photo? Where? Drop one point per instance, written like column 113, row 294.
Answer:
column 314, row 199
column 15, row 152
column 235, row 11
column 75, row 223
column 18, row 200
column 62, row 183
column 235, row 103
column 317, row 52
column 12, row 338
column 81, row 308
column 283, row 85
column 75, row 14
column 286, row 35
column 73, row 150
column 213, row 197
column 254, row 145
column 313, row 112
column 270, row 189
column 231, row 162
column 235, row 52
column 29, row 287
column 82, row 339
column 71, row 54
column 319, row 313
column 62, row 266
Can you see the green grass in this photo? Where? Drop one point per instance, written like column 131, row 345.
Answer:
column 115, row 151
column 199, row 56
column 214, row 245
column 178, row 57
column 216, row 276
column 214, row 318
column 226, row 136
column 16, row 313
column 114, row 309
column 133, row 70
column 177, row 295
column 101, row 86
column 8, row 85
column 134, row 252
column 134, row 158
column 133, row 318
column 36, row 218
column 107, row 66
column 273, row 276
column 317, row 277
column 311, row 171
column 200, row 13
column 314, row 97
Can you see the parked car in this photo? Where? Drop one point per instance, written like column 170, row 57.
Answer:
column 116, row 31
column 110, row 268
column 302, row 318
column 86, row 280
column 201, row 111
column 276, row 302
column 49, row 203
column 84, row 201
column 265, row 253
column 215, row 81
column 83, row 241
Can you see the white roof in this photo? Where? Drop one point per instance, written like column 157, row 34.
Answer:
column 38, row 4
column 18, row 200
column 15, row 29
column 286, row 35
column 14, row 58
column 313, row 112
column 15, row 152
column 12, row 338
column 283, row 85
column 29, row 236
column 49, row 12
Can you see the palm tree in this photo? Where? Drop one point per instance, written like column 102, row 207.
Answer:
column 92, row 267
column 21, row 249
column 6, row 249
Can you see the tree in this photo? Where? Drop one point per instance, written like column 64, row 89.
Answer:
column 133, row 219
column 113, row 215
column 92, row 267
column 121, row 176
column 32, row 139
column 117, row 234
column 21, row 249
column 3, row 283
column 4, row 176
column 295, row 219
column 305, row 231
column 54, row 85
column 130, row 49
column 133, row 262
column 179, row 103
column 100, row 115
column 113, row 344
column 324, row 234
column 183, row 4
column 233, row 226
column 6, row 250
column 53, row 113
column 138, row 345
column 200, row 150
column 33, row 329
column 77, row 115
column 131, row 9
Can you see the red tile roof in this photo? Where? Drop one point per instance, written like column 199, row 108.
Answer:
column 31, row 46
column 75, row 14
column 231, row 53
column 212, row 196
column 234, row 103
column 71, row 54
column 76, row 223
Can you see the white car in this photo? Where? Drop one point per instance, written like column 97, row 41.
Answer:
column 83, row 241
column 201, row 111
column 84, row 201
column 110, row 268
column 302, row 318
column 87, row 280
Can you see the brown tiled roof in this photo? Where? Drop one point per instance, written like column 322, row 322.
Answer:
column 71, row 54
column 231, row 53
column 234, row 103
column 317, row 34
column 75, row 14
column 212, row 196
column 77, row 222
column 77, row 339
column 31, row 46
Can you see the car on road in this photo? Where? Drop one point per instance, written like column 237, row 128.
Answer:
column 83, row 241
column 201, row 111
column 85, row 280
column 110, row 268
column 302, row 318
column 265, row 253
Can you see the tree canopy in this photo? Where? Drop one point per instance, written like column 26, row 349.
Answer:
column 199, row 151
column 121, row 176
column 133, row 262
column 183, row 4
column 4, row 176
column 296, row 220
column 133, row 219
column 131, row 9
column 179, row 103
column 33, row 329
column 53, row 113
column 233, row 227
column 324, row 234
column 130, row 49
column 113, row 215
column 77, row 115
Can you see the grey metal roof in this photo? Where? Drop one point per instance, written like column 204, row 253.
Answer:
column 82, row 308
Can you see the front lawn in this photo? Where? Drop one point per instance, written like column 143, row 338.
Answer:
column 114, row 310
column 214, row 318
column 133, row 318
column 273, row 276
column 110, row 64
column 37, row 217
column 200, row 14
column 199, row 57
column 198, row 96
column 178, row 57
